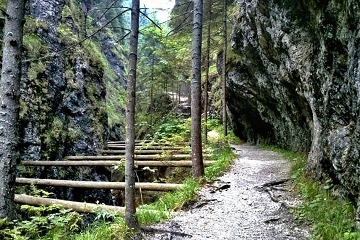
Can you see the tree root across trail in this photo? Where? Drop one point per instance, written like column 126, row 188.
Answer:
column 251, row 201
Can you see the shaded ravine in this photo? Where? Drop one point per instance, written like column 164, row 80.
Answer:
column 238, row 206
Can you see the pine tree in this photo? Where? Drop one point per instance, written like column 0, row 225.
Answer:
column 9, row 104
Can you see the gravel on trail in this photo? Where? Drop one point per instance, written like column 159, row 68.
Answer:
column 252, row 201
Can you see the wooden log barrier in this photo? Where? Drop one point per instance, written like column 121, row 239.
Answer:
column 138, row 152
column 114, row 163
column 76, row 206
column 99, row 185
column 136, row 157
column 82, row 207
column 120, row 146
column 123, row 142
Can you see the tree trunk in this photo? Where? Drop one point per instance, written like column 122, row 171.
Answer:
column 130, row 209
column 206, row 85
column 196, row 147
column 224, row 117
column 9, row 104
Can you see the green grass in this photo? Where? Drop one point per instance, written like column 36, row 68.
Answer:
column 330, row 217
column 161, row 210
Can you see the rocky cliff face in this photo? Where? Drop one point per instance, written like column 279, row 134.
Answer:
column 63, row 95
column 294, row 81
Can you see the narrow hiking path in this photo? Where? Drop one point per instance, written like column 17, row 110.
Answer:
column 251, row 201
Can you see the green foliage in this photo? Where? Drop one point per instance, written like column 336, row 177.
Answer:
column 174, row 129
column 94, row 54
column 55, row 133
column 331, row 217
column 67, row 36
column 33, row 46
column 32, row 25
column 160, row 210
column 224, row 156
column 51, row 222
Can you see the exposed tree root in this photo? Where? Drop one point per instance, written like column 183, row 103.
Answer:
column 156, row 230
column 270, row 186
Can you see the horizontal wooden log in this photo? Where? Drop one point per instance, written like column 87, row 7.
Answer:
column 76, row 206
column 99, row 185
column 120, row 146
column 114, row 163
column 136, row 157
column 123, row 142
column 141, row 143
column 141, row 152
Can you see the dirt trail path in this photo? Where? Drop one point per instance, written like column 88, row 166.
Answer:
column 236, row 206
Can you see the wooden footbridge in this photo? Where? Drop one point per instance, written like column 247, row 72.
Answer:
column 147, row 154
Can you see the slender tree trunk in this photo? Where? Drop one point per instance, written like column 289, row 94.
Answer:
column 130, row 208
column 152, row 90
column 206, row 85
column 9, row 104
column 224, row 117
column 196, row 147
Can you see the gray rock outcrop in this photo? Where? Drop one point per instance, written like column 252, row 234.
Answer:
column 63, row 98
column 294, row 81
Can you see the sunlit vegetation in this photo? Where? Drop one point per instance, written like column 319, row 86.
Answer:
column 330, row 215
column 56, row 223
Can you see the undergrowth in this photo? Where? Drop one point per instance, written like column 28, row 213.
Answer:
column 56, row 223
column 330, row 217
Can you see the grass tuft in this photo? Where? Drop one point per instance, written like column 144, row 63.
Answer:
column 331, row 217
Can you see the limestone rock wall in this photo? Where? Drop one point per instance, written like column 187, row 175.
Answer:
column 294, row 81
column 63, row 97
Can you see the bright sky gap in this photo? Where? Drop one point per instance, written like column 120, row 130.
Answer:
column 161, row 7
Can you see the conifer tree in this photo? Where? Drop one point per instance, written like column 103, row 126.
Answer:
column 9, row 104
